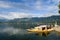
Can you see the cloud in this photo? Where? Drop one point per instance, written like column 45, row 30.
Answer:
column 55, row 0
column 38, row 4
column 4, row 5
column 50, row 14
column 12, row 15
column 48, row 8
column 29, row 5
column 3, row 16
column 7, row 5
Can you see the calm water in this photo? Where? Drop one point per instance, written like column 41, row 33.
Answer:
column 10, row 33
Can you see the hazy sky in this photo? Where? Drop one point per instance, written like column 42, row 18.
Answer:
column 11, row 9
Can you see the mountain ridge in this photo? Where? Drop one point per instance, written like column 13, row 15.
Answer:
column 33, row 19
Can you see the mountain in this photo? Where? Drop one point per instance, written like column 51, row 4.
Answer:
column 37, row 19
column 2, row 19
column 33, row 19
column 26, row 23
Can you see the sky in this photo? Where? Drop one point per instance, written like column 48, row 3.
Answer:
column 11, row 9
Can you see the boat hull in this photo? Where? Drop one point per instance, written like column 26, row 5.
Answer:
column 39, row 31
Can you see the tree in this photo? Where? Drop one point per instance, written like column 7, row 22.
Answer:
column 59, row 8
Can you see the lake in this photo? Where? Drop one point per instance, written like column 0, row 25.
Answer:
column 8, row 32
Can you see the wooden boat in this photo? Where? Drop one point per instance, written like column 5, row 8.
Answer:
column 39, row 29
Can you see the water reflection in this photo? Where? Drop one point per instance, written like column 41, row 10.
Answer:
column 11, row 33
column 43, row 34
column 57, row 33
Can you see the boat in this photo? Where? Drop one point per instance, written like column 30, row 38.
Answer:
column 41, row 28
column 44, row 29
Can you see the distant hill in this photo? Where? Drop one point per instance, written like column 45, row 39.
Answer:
column 37, row 19
column 33, row 19
column 31, row 22
column 3, row 20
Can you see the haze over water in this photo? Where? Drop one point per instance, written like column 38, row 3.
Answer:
column 11, row 33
